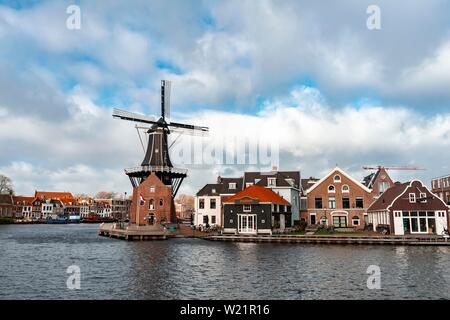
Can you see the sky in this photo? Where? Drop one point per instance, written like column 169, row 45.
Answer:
column 308, row 78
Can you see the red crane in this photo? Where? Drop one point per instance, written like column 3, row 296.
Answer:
column 392, row 168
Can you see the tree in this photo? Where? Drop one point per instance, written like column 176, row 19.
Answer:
column 186, row 201
column 6, row 185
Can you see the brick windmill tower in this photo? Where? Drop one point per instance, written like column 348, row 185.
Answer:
column 156, row 182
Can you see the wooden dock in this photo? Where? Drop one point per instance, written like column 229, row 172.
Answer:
column 337, row 239
column 114, row 230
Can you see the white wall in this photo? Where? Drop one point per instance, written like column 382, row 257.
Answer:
column 207, row 211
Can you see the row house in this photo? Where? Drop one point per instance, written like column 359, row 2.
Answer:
column 409, row 208
column 256, row 210
column 441, row 187
column 6, row 206
column 102, row 208
column 338, row 200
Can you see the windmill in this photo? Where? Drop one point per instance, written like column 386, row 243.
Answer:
column 157, row 156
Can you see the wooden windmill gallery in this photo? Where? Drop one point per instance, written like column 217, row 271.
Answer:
column 156, row 181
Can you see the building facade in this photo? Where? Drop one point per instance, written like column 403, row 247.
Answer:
column 256, row 210
column 338, row 200
column 378, row 182
column 6, row 206
column 23, row 207
column 152, row 202
column 409, row 208
column 441, row 187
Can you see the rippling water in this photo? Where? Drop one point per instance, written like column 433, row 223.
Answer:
column 34, row 259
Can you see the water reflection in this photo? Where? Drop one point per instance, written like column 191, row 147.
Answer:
column 198, row 269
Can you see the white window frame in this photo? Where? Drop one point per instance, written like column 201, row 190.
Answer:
column 353, row 222
column 247, row 208
column 337, row 180
column 232, row 185
column 345, row 186
column 271, row 182
column 423, row 195
column 333, row 187
column 412, row 198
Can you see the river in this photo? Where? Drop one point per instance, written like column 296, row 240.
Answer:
column 34, row 261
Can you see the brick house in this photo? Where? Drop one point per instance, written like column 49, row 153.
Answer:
column 338, row 200
column 6, row 206
column 256, row 210
column 152, row 202
column 23, row 207
column 409, row 208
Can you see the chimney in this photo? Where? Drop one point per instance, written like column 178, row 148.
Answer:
column 219, row 179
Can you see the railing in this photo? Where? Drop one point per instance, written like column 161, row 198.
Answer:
column 155, row 169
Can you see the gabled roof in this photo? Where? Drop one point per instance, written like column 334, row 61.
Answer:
column 344, row 174
column 259, row 193
column 208, row 189
column 282, row 178
column 386, row 199
column 221, row 187
column 394, row 194
column 20, row 200
column 308, row 183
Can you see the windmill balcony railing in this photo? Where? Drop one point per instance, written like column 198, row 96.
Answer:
column 155, row 169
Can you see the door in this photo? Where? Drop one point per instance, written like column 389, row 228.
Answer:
column 340, row 221
column 312, row 218
column 247, row 223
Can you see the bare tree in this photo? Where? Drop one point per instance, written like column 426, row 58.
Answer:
column 6, row 185
column 106, row 195
column 186, row 201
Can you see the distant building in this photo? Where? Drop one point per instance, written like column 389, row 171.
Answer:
column 256, row 210
column 117, row 208
column 338, row 200
column 6, row 206
column 378, row 182
column 441, row 187
column 305, row 185
column 23, row 207
column 409, row 208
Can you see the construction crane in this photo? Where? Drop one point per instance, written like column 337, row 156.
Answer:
column 392, row 168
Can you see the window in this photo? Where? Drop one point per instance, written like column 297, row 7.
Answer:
column 423, row 197
column 213, row 191
column 247, row 208
column 332, row 203
column 355, row 221
column 151, row 204
column 359, row 202
column 212, row 203
column 201, row 203
column 271, row 182
column 161, row 202
column 232, row 186
column 346, row 203
column 205, row 219
column 337, row 178
column 152, row 189
column 213, row 219
column 345, row 188
column 412, row 198
column 383, row 186
column 331, row 189
column 318, row 203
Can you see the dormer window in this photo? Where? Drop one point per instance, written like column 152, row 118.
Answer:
column 248, row 184
column 271, row 182
column 232, row 186
column 247, row 208
column 331, row 189
column 337, row 178
column 412, row 198
column 213, row 190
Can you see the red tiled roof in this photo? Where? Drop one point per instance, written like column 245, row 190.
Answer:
column 260, row 193
column 20, row 200
column 64, row 197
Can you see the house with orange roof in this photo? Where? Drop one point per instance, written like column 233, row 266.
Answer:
column 256, row 210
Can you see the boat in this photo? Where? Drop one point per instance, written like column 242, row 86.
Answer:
column 59, row 219
column 95, row 218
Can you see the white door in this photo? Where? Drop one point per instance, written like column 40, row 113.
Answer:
column 247, row 223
